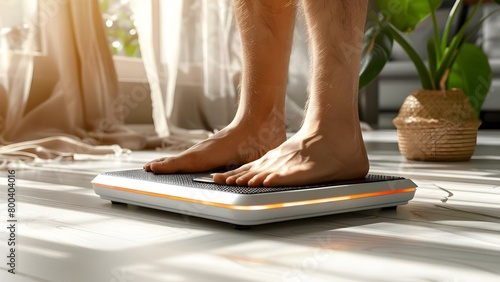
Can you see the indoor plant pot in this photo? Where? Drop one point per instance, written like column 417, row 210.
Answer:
column 437, row 125
column 439, row 122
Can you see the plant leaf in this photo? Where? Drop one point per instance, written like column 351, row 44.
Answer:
column 377, row 48
column 432, row 57
column 406, row 14
column 471, row 72
column 448, row 26
column 423, row 72
column 497, row 1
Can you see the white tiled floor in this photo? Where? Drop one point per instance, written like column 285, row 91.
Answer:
column 450, row 232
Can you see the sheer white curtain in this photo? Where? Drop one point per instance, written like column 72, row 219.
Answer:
column 191, row 55
column 58, row 84
column 191, row 51
column 59, row 91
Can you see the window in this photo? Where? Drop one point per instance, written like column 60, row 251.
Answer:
column 123, row 38
column 17, row 26
column 120, row 29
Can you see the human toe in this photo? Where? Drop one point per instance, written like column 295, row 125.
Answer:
column 166, row 165
column 258, row 179
column 245, row 177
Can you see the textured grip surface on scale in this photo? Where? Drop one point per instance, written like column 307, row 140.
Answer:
column 186, row 180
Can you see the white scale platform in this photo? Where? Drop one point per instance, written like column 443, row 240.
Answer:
column 197, row 195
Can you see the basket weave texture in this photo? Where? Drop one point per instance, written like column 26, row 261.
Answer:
column 435, row 125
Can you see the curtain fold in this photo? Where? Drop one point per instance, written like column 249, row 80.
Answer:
column 63, row 101
column 192, row 57
column 192, row 75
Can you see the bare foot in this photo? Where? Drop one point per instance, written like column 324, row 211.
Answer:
column 237, row 144
column 259, row 126
column 329, row 146
column 308, row 157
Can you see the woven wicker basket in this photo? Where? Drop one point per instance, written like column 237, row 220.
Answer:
column 437, row 125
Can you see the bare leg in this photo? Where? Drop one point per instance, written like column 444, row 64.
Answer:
column 266, row 32
column 329, row 146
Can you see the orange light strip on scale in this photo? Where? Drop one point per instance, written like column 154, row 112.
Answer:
column 262, row 207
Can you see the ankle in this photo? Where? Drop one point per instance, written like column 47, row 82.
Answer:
column 253, row 121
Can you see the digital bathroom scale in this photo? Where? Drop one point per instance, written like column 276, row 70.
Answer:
column 197, row 195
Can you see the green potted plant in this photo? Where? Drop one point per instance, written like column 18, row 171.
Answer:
column 438, row 122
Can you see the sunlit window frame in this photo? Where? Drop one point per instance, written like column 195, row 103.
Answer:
column 131, row 69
